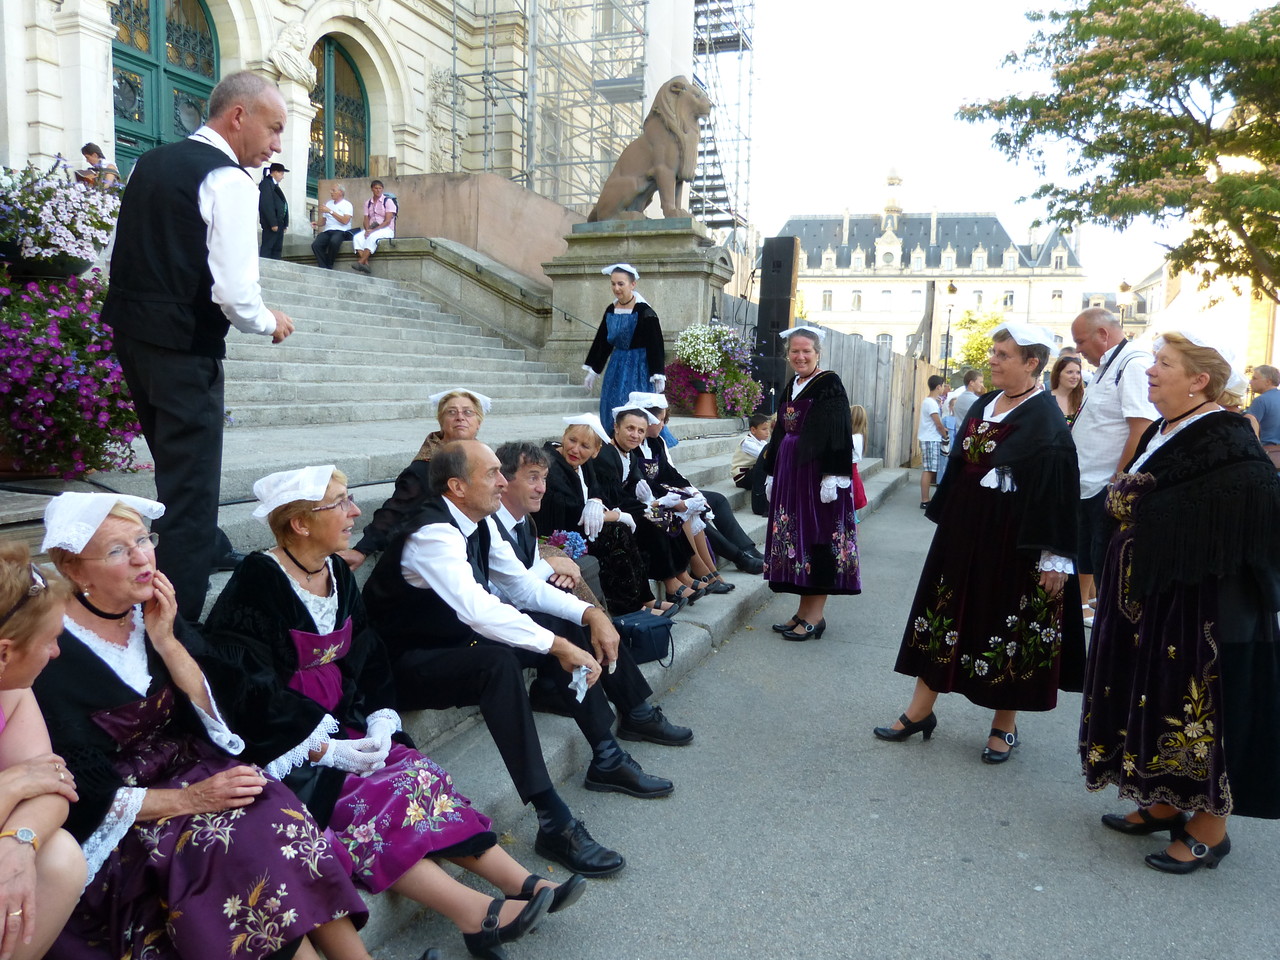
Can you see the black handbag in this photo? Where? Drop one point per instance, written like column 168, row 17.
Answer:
column 647, row 636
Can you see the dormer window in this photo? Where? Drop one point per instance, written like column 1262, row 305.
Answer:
column 1059, row 261
column 917, row 261
column 1010, row 258
column 979, row 260
column 828, row 259
column 948, row 262
column 859, row 259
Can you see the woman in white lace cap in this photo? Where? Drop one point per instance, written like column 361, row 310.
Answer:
column 306, row 680
column 190, row 852
column 41, row 867
column 996, row 616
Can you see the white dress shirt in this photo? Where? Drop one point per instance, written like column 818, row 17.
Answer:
column 229, row 205
column 540, row 569
column 435, row 557
column 1101, row 429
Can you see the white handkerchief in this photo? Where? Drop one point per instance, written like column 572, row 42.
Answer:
column 579, row 683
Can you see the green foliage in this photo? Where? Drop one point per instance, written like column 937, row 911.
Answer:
column 975, row 340
column 1167, row 112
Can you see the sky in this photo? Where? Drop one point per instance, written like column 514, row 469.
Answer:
column 845, row 90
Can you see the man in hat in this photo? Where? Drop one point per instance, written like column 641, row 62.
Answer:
column 183, row 270
column 273, row 211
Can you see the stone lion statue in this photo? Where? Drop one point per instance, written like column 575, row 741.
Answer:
column 663, row 157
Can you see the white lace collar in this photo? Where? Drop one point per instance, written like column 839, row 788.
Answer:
column 129, row 662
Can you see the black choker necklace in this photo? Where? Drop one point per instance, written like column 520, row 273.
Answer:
column 101, row 613
column 309, row 573
column 1183, row 416
column 1015, row 396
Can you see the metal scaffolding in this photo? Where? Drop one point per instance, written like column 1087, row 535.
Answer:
column 558, row 93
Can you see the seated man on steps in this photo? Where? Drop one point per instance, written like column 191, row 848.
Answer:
column 524, row 467
column 455, row 644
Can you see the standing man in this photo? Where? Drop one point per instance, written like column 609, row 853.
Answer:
column 974, row 387
column 273, row 211
column 183, row 269
column 379, row 224
column 334, row 226
column 1111, row 421
column 1266, row 408
column 931, row 432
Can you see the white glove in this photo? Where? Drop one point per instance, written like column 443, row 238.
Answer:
column 361, row 757
column 644, row 492
column 659, row 382
column 670, row 500
column 627, row 520
column 697, row 503
column 589, row 380
column 768, row 488
column 592, row 519
column 382, row 724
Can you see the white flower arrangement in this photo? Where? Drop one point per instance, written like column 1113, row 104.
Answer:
column 44, row 215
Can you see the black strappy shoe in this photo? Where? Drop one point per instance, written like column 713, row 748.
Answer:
column 562, row 897
column 808, row 631
column 487, row 943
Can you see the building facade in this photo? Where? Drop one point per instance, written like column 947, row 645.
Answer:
column 373, row 87
column 886, row 276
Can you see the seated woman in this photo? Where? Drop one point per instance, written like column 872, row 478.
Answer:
column 460, row 413
column 313, row 698
column 572, row 484
column 669, row 551
column 191, row 853
column 39, row 862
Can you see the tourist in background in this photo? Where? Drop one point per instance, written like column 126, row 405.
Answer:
column 379, row 224
column 273, row 211
column 1182, row 693
column 1265, row 408
column 334, row 226
column 629, row 341
column 811, row 547
column 1067, row 385
column 974, row 387
column 931, row 433
column 995, row 616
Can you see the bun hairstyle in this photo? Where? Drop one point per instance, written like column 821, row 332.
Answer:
column 1197, row 360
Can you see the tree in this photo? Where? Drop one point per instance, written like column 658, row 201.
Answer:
column 976, row 341
column 1166, row 112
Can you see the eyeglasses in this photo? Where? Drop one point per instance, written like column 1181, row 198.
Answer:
column 346, row 503
column 467, row 414
column 38, row 584
column 121, row 552
column 994, row 354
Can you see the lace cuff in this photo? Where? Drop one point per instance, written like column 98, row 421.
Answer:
column 120, row 817
column 386, row 713
column 1052, row 563
column 217, row 728
column 842, row 482
column 280, row 766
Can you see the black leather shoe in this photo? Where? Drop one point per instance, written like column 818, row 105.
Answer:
column 717, row 586
column 909, row 729
column 803, row 630
column 657, row 729
column 576, row 850
column 1149, row 824
column 628, row 778
column 228, row 561
column 1000, row 756
column 784, row 627
column 1205, row 856
column 543, row 698
column 562, row 897
column 487, row 943
column 750, row 563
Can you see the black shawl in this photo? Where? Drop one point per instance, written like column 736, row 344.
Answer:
column 648, row 336
column 1214, row 511
column 1041, row 457
column 411, row 492
column 251, row 659
column 79, row 684
column 827, row 434
column 669, row 477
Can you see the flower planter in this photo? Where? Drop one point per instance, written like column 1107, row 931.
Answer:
column 23, row 270
column 705, row 406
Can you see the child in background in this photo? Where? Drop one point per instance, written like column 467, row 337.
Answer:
column 744, row 468
column 858, row 418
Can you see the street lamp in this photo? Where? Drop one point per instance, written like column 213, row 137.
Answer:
column 946, row 353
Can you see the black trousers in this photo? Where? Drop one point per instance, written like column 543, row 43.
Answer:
column 326, row 246
column 272, row 243
column 1093, row 533
column 491, row 676
column 178, row 398
column 626, row 688
column 725, row 534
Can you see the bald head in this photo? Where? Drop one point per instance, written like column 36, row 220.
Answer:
column 1095, row 331
column 248, row 112
column 469, row 475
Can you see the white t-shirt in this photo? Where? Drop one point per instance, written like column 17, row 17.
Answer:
column 929, row 432
column 857, row 448
column 340, row 208
column 1101, row 428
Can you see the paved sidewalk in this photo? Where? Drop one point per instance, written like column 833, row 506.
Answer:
column 793, row 833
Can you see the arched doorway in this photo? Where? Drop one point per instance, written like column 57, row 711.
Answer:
column 340, row 130
column 164, row 64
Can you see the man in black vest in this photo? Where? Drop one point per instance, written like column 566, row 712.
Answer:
column 525, row 466
column 273, row 211
column 184, row 267
column 453, row 643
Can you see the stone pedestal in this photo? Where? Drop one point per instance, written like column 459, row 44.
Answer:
column 682, row 273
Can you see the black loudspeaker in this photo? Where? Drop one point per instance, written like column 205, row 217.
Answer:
column 779, row 265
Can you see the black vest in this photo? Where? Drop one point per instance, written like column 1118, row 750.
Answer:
column 161, row 288
column 409, row 617
column 523, row 539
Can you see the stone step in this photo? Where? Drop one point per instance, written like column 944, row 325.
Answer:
column 364, row 392
column 420, row 369
column 344, row 281
column 328, row 349
column 287, row 290
column 274, row 414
